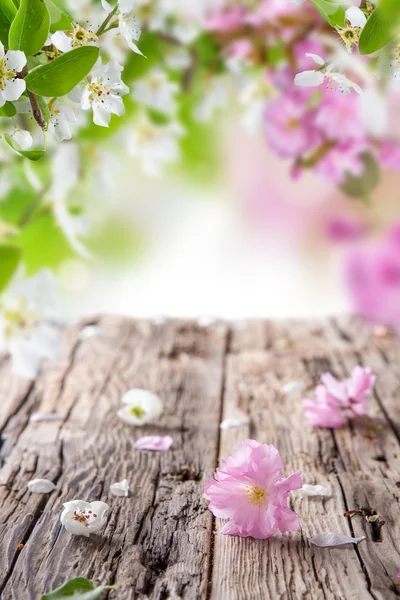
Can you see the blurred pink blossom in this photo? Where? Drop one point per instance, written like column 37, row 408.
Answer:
column 250, row 492
column 343, row 158
column 336, row 401
column 389, row 156
column 339, row 118
column 372, row 273
column 290, row 127
column 344, row 228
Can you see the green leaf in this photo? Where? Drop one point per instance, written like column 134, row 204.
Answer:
column 8, row 110
column 380, row 29
column 9, row 261
column 63, row 74
column 30, row 28
column 60, row 4
column 331, row 10
column 43, row 244
column 31, row 154
column 7, row 15
column 78, row 589
column 362, row 185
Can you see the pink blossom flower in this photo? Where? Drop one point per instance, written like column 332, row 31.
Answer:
column 344, row 158
column 339, row 117
column 226, row 20
column 336, row 401
column 250, row 492
column 154, row 442
column 289, row 126
column 372, row 274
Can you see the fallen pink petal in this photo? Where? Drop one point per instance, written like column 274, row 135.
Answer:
column 155, row 443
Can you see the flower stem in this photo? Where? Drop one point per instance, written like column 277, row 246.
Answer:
column 106, row 21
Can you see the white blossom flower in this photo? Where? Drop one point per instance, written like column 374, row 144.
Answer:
column 157, row 91
column 62, row 116
column 127, row 23
column 84, row 518
column 350, row 33
column 141, row 407
column 178, row 59
column 23, row 138
column 77, row 37
column 155, row 145
column 103, row 93
column 150, row 15
column 27, row 329
column 215, row 98
column 41, row 486
column 325, row 74
column 121, row 488
column 12, row 63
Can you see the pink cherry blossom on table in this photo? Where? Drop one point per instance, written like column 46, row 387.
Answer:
column 250, row 492
column 336, row 401
column 155, row 443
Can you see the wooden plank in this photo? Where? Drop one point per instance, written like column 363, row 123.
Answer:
column 287, row 567
column 160, row 543
column 157, row 542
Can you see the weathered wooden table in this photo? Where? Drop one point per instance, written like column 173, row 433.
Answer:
column 162, row 542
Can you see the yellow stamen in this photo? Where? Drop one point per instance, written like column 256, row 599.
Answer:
column 255, row 495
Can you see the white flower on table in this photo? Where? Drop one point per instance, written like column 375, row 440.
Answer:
column 141, row 407
column 127, row 23
column 62, row 116
column 155, row 145
column 27, row 329
column 350, row 33
column 325, row 74
column 103, row 93
column 65, row 41
column 12, row 63
column 157, row 92
column 84, row 518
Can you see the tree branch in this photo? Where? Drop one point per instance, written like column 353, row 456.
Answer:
column 36, row 110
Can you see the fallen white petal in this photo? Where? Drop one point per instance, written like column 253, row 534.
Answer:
column 315, row 490
column 332, row 540
column 231, row 423
column 88, row 332
column 292, row 388
column 37, row 417
column 41, row 486
column 121, row 488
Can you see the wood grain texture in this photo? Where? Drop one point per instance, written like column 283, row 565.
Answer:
column 162, row 543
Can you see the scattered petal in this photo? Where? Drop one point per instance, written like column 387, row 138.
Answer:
column 38, row 417
column 121, row 488
column 293, row 388
column 232, row 423
column 41, row 486
column 154, row 442
column 332, row 540
column 315, row 490
column 88, row 332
